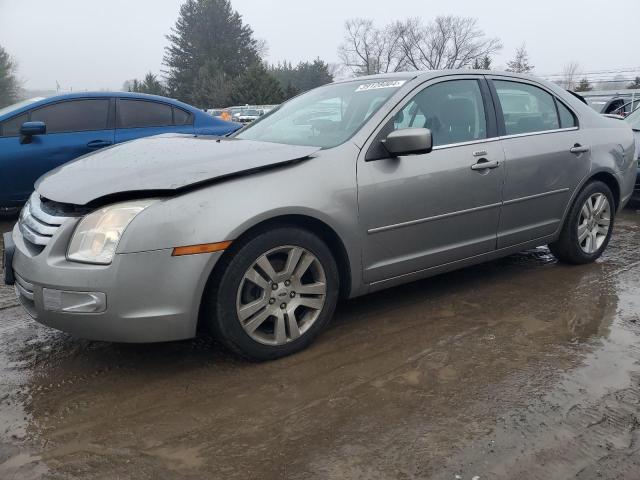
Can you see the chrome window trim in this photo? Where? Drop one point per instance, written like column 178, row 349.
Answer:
column 542, row 132
column 462, row 144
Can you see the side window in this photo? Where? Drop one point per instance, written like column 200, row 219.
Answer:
column 526, row 109
column 73, row 115
column 180, row 117
column 143, row 113
column 567, row 120
column 11, row 127
column 452, row 110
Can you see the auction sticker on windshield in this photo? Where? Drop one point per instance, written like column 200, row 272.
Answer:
column 374, row 86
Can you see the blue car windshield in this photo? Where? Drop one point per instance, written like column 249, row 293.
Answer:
column 15, row 106
column 324, row 117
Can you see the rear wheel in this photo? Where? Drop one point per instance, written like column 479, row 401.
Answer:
column 588, row 226
column 277, row 291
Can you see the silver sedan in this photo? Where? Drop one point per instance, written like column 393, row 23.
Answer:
column 350, row 188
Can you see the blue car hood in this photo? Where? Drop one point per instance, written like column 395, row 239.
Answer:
column 162, row 164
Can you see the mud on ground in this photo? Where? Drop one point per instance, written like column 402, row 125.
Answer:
column 520, row 368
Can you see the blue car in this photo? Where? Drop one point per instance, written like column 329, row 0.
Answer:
column 38, row 135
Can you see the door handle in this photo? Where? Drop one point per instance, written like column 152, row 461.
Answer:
column 98, row 143
column 484, row 164
column 577, row 148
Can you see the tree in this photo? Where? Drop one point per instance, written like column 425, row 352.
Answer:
column 635, row 83
column 584, row 85
column 482, row 63
column 256, row 87
column 569, row 75
column 303, row 77
column 207, row 31
column 9, row 84
column 520, row 64
column 150, row 85
column 448, row 42
column 366, row 49
column 211, row 86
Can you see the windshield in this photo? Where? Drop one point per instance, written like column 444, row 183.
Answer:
column 634, row 119
column 251, row 113
column 324, row 117
column 15, row 106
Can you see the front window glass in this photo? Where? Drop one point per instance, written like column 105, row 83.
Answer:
column 73, row 115
column 11, row 127
column 452, row 110
column 18, row 105
column 324, row 117
column 526, row 109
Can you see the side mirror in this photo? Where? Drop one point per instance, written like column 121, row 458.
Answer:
column 29, row 129
column 408, row 141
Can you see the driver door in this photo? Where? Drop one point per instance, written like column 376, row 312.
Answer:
column 425, row 210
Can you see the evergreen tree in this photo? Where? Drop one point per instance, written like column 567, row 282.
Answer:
column 256, row 87
column 303, row 77
column 583, row 85
column 483, row 63
column 207, row 31
column 635, row 83
column 9, row 84
column 520, row 64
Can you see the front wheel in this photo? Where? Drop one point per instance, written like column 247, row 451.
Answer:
column 588, row 226
column 277, row 291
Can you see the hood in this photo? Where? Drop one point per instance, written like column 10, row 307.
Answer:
column 162, row 164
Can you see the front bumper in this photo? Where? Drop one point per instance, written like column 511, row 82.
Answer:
column 149, row 296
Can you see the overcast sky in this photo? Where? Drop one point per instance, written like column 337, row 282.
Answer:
column 97, row 44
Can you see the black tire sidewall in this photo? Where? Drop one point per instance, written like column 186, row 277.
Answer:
column 575, row 251
column 223, row 317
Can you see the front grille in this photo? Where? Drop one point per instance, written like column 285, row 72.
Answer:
column 24, row 292
column 37, row 225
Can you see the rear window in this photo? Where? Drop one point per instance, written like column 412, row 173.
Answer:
column 526, row 109
column 142, row 113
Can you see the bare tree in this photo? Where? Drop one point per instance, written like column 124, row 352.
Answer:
column 570, row 74
column 367, row 49
column 262, row 48
column 520, row 64
column 447, row 42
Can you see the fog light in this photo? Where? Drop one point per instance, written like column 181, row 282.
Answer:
column 74, row 302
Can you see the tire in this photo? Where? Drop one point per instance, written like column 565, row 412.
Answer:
column 285, row 320
column 574, row 248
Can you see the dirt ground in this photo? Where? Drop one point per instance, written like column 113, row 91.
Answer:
column 520, row 368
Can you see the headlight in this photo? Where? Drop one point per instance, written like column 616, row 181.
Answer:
column 97, row 235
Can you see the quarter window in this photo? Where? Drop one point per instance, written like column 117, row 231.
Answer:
column 525, row 108
column 73, row 115
column 567, row 120
column 142, row 113
column 180, row 117
column 452, row 110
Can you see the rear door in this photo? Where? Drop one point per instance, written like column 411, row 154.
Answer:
column 546, row 157
column 142, row 118
column 74, row 128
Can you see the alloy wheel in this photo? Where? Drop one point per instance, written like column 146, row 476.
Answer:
column 594, row 223
column 281, row 295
